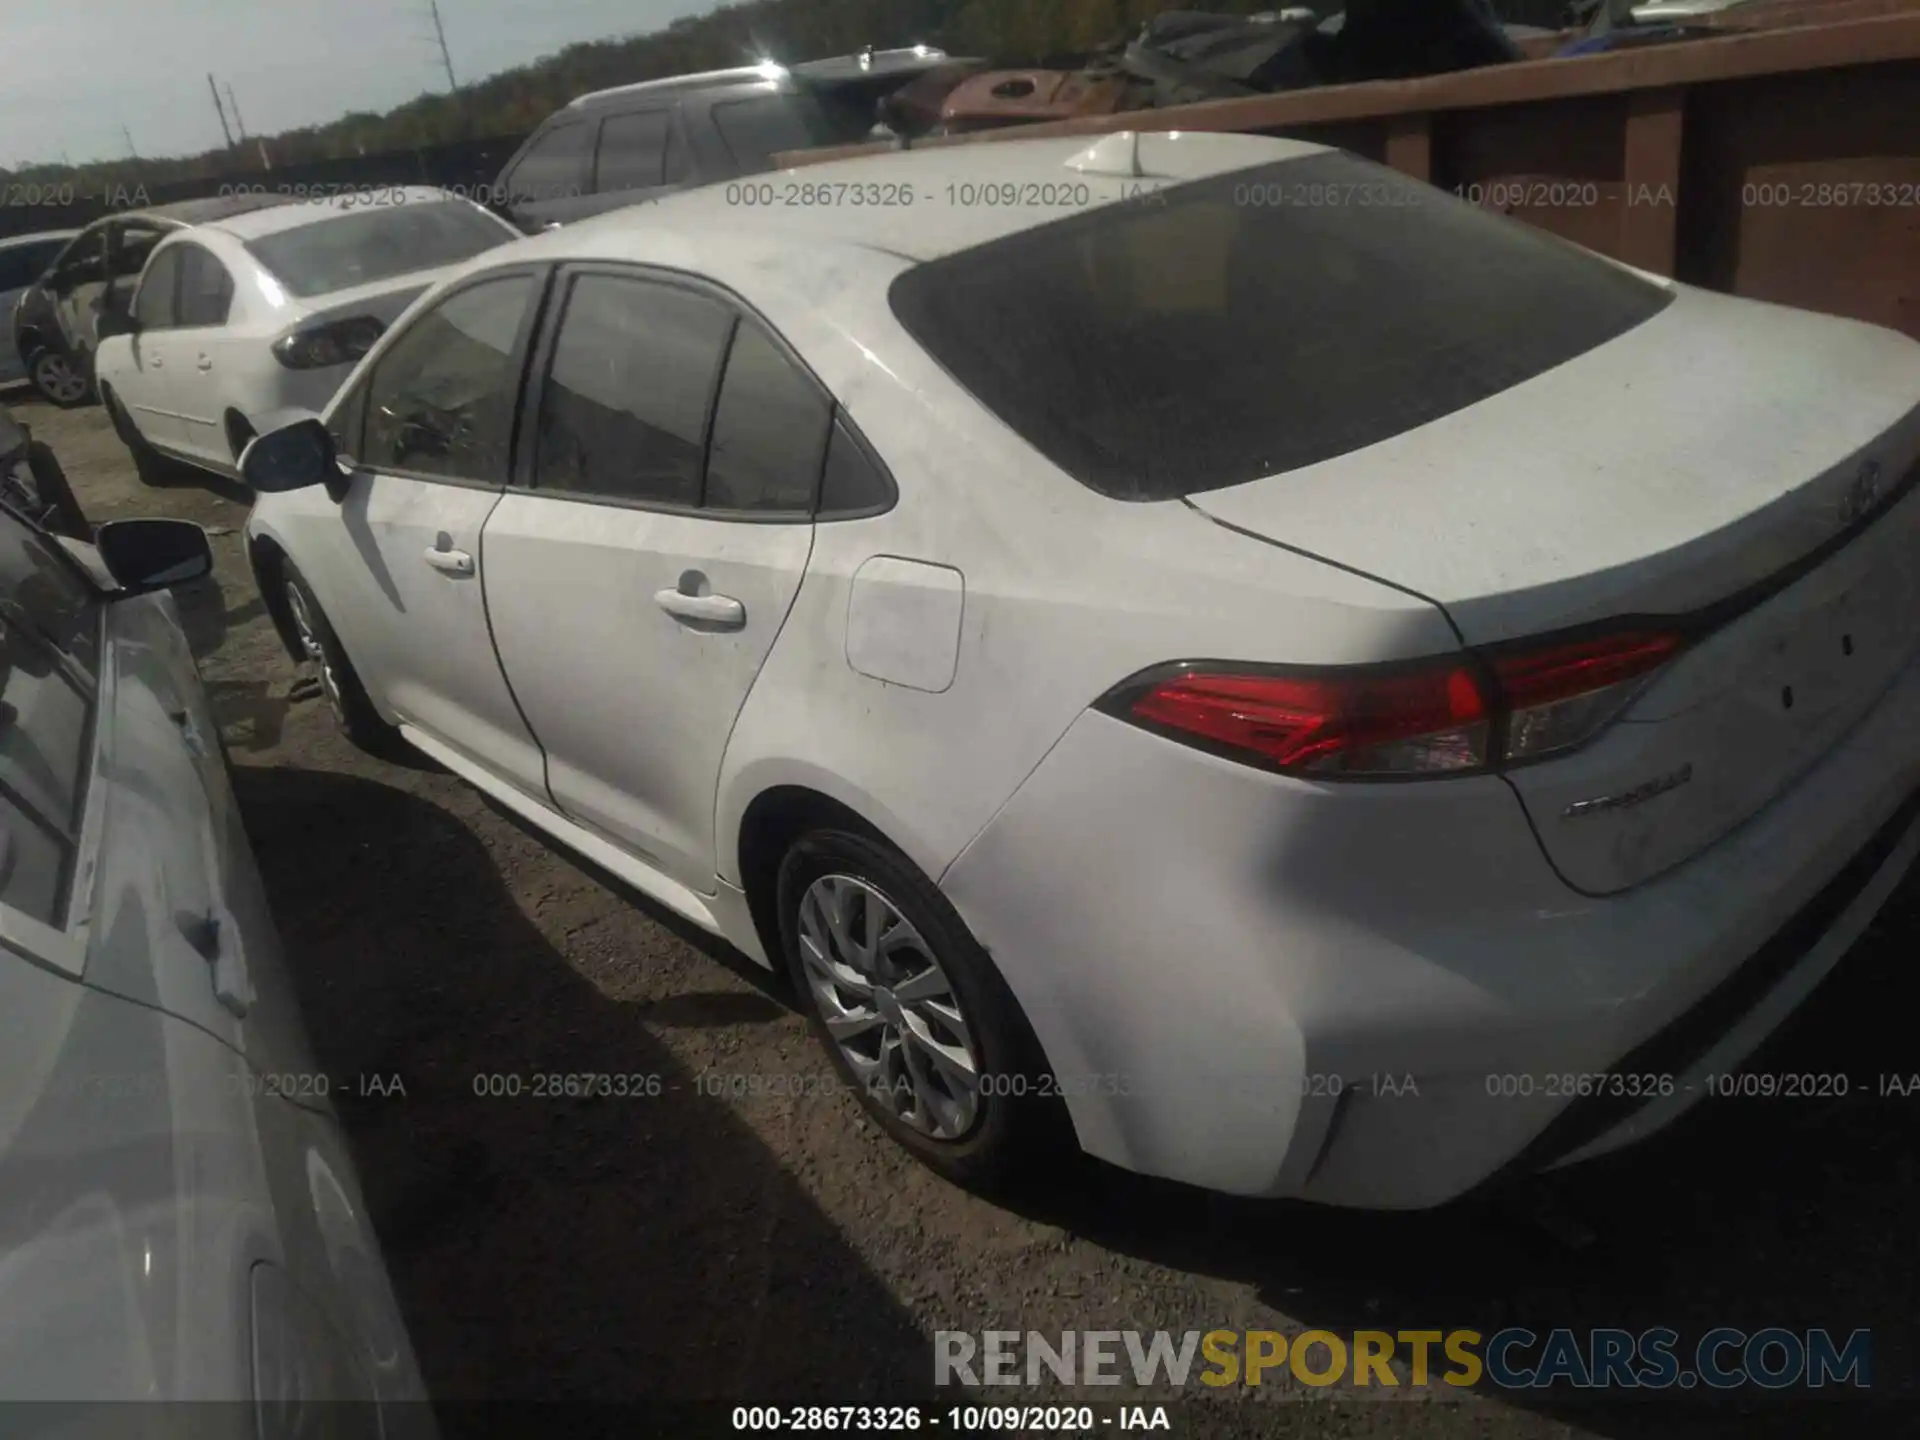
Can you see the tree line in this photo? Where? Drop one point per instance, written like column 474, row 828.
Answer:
column 1011, row 32
column 1006, row 32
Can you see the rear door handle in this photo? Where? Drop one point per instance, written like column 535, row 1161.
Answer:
column 204, row 362
column 721, row 612
column 451, row 562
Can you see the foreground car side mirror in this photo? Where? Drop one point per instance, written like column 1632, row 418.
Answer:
column 147, row 555
column 290, row 458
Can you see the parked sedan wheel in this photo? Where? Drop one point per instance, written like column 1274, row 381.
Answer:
column 58, row 380
column 353, row 709
column 912, row 1013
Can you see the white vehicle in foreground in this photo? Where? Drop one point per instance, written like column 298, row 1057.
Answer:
column 179, row 1215
column 1336, row 692
column 242, row 322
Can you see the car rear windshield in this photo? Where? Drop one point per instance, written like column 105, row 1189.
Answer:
column 1257, row 322
column 363, row 247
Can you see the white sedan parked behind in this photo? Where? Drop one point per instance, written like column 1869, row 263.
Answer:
column 1331, row 691
column 239, row 323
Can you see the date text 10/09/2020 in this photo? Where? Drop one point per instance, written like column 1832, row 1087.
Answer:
column 955, row 1419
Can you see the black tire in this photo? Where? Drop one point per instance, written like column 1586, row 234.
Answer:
column 1019, row 1120
column 44, row 369
column 238, row 436
column 153, row 468
column 353, row 709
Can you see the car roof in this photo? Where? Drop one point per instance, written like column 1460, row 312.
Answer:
column 208, row 209
column 914, row 205
column 38, row 237
column 271, row 220
column 838, row 69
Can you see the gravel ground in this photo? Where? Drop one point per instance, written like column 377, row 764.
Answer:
column 758, row 1249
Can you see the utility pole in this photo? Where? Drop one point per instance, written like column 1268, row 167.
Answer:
column 440, row 34
column 234, row 106
column 129, row 137
column 220, row 109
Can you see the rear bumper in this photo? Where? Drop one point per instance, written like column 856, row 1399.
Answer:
column 1382, row 995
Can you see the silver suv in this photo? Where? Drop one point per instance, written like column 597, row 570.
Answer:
column 616, row 147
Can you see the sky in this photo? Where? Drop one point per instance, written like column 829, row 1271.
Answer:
column 72, row 75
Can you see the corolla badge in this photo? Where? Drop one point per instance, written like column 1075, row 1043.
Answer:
column 1863, row 494
column 1626, row 799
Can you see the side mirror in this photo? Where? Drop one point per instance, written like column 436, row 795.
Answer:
column 146, row 555
column 290, row 458
column 116, row 322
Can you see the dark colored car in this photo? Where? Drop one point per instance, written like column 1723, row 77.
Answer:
column 617, row 147
column 56, row 324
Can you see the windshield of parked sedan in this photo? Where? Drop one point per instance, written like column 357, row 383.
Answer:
column 1257, row 322
column 362, row 247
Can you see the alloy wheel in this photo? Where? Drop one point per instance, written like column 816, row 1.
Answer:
column 59, row 379
column 889, row 1007
column 309, row 637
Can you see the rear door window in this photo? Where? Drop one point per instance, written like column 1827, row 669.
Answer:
column 625, row 403
column 633, row 151
column 49, row 622
column 206, row 289
column 769, row 430
column 155, row 304
column 758, row 128
column 1258, row 322
column 555, row 168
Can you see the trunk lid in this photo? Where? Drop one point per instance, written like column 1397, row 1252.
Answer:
column 1722, row 454
column 385, row 300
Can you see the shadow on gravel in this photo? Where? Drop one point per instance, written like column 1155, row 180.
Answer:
column 1747, row 1213
column 178, row 475
column 644, row 1248
column 776, row 994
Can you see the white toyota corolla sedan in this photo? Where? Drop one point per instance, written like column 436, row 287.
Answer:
column 1324, row 690
column 240, row 322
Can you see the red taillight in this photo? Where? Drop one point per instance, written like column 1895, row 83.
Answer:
column 334, row 342
column 1534, row 677
column 1432, row 717
column 1386, row 723
column 1560, row 696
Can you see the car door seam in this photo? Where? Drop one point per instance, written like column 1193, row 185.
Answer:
column 500, row 661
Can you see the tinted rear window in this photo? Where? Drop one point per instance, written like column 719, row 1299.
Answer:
column 1253, row 323
column 757, row 129
column 365, row 246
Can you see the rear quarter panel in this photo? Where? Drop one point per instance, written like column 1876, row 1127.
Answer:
column 1066, row 594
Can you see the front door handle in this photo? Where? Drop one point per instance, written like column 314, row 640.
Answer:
column 204, row 362
column 213, row 935
column 450, row 562
column 718, row 612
